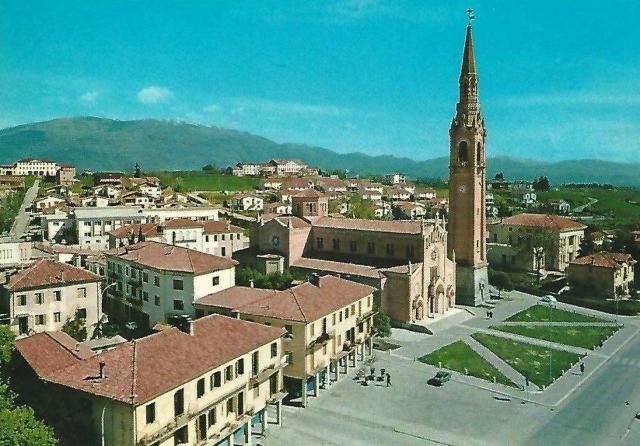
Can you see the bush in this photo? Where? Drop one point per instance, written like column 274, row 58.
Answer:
column 382, row 324
column 273, row 281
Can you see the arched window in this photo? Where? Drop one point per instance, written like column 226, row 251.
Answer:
column 463, row 152
column 479, row 154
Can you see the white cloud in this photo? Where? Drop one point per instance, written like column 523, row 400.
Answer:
column 211, row 108
column 89, row 97
column 154, row 95
column 241, row 105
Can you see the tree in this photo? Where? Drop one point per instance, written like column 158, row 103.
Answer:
column 586, row 245
column 500, row 280
column 361, row 208
column 178, row 184
column 541, row 184
column 137, row 173
column 76, row 327
column 211, row 168
column 382, row 324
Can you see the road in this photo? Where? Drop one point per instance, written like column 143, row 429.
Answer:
column 598, row 414
column 579, row 209
column 22, row 219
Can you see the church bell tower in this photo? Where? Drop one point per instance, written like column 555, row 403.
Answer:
column 467, row 177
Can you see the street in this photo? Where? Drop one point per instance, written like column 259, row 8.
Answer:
column 22, row 219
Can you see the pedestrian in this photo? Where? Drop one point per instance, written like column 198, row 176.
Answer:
column 388, row 380
column 582, row 368
column 526, row 381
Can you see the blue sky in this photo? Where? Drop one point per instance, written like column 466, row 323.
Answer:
column 558, row 79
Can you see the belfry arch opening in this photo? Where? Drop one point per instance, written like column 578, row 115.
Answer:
column 479, row 153
column 463, row 152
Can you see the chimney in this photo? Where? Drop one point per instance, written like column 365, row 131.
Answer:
column 102, row 375
column 314, row 279
column 409, row 267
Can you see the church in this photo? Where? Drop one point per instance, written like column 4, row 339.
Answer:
column 420, row 268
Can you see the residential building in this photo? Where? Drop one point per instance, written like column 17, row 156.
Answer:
column 490, row 205
column 521, row 186
column 47, row 294
column 137, row 198
column 394, row 178
column 113, row 178
column 328, row 323
column 246, row 169
column 558, row 236
column 191, row 386
column 603, row 274
column 49, row 201
column 95, row 201
column 12, row 181
column 66, row 174
column 287, row 167
column 411, row 210
column 93, row 225
column 247, row 202
column 14, row 252
column 39, row 167
column 525, row 198
column 277, row 208
column 156, row 281
column 424, row 193
column 560, row 207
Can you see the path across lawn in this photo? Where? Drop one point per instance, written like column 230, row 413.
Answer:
column 540, row 313
column 588, row 337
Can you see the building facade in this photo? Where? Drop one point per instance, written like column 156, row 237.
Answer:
column 606, row 274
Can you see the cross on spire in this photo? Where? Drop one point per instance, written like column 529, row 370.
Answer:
column 471, row 15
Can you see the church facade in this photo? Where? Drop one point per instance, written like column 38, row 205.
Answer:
column 467, row 190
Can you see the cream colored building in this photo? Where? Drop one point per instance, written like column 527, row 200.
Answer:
column 47, row 294
column 156, row 281
column 328, row 322
column 606, row 274
column 558, row 236
column 197, row 385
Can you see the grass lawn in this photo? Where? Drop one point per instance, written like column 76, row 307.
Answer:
column 195, row 180
column 540, row 313
column 585, row 337
column 458, row 356
column 531, row 361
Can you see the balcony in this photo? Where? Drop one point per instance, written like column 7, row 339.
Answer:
column 266, row 373
column 365, row 316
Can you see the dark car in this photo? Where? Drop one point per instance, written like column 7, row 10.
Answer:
column 440, row 378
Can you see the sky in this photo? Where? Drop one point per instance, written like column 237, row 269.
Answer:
column 559, row 79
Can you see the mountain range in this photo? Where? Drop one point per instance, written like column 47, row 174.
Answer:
column 109, row 144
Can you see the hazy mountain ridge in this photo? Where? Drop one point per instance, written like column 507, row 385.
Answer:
column 108, row 144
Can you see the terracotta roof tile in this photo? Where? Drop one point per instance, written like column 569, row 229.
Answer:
column 171, row 258
column 47, row 272
column 138, row 371
column 543, row 221
column 613, row 260
column 48, row 352
column 217, row 227
column 182, row 223
column 148, row 229
column 356, row 224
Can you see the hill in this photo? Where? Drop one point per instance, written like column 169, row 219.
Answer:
column 108, row 144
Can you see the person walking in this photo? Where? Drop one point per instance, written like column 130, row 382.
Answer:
column 582, row 368
column 388, row 380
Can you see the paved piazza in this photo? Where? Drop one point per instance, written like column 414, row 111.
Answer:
column 589, row 409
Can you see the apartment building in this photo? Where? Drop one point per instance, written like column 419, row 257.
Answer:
column 14, row 252
column 328, row 323
column 207, row 383
column 606, row 274
column 92, row 225
column 40, row 167
column 47, row 294
column 212, row 237
column 157, row 281
column 559, row 237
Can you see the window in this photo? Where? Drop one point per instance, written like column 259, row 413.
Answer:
column 463, row 152
column 178, row 305
column 156, row 281
column 223, row 251
column 240, row 367
column 319, row 242
column 56, row 316
column 22, row 299
column 228, row 373
column 371, row 248
column 215, row 280
column 478, row 153
column 336, row 244
column 178, row 402
column 353, row 309
column 200, row 388
column 312, row 329
column 151, row 413
column 178, row 284
column 145, row 277
column 216, row 380
column 339, row 317
column 39, row 319
column 255, row 365
column 82, row 313
column 274, row 349
column 289, row 329
column 229, row 405
column 145, row 296
column 157, row 300
column 333, row 319
column 212, row 416
column 324, row 325
column 57, row 295
column 39, row 298
column 353, row 245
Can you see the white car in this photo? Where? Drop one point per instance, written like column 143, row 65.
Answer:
column 548, row 299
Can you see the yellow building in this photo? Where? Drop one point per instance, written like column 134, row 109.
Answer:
column 200, row 384
column 604, row 273
column 328, row 322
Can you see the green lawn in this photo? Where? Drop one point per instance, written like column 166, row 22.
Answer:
column 531, row 361
column 458, row 356
column 584, row 337
column 540, row 313
column 195, row 180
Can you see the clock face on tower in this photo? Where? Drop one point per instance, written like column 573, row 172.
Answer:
column 462, row 188
column 275, row 241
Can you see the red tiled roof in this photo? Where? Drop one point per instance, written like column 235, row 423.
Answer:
column 47, row 272
column 543, row 221
column 604, row 259
column 308, row 302
column 172, row 258
column 296, row 222
column 48, row 352
column 356, row 224
column 138, row 371
column 182, row 223
column 307, row 193
column 149, row 229
column 234, row 297
column 217, row 227
column 333, row 266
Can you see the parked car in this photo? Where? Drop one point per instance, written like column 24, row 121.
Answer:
column 548, row 299
column 440, row 378
column 638, row 416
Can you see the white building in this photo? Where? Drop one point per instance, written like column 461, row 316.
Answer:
column 394, row 178
column 47, row 294
column 50, row 201
column 36, row 167
column 14, row 252
column 95, row 201
column 163, row 280
column 248, row 202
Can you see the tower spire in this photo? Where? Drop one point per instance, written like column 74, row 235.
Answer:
column 468, row 56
